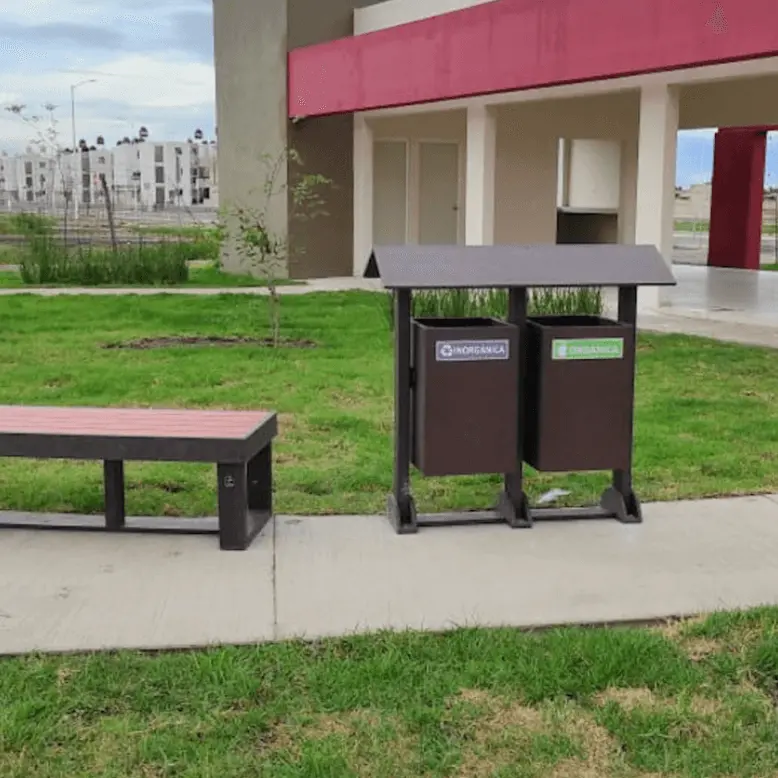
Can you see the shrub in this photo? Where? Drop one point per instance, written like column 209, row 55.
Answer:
column 25, row 224
column 46, row 261
column 477, row 303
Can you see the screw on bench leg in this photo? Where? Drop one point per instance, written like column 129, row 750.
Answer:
column 113, row 480
column 233, row 507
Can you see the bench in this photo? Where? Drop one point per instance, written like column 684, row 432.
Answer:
column 238, row 442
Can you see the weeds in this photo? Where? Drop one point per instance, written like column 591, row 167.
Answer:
column 493, row 303
column 44, row 260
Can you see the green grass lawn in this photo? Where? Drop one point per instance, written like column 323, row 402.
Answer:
column 703, row 225
column 706, row 422
column 176, row 230
column 691, row 700
column 203, row 275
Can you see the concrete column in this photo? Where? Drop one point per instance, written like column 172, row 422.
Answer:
column 563, row 173
column 736, row 198
column 363, row 193
column 250, row 64
column 657, row 143
column 479, row 177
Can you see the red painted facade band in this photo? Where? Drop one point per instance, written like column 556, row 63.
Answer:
column 511, row 45
column 736, row 199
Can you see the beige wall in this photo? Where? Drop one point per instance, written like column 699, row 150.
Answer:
column 526, row 178
column 393, row 12
column 731, row 103
column 525, row 181
column 527, row 160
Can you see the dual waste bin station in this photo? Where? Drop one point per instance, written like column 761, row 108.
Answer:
column 483, row 395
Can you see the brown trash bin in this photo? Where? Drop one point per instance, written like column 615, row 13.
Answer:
column 466, row 381
column 578, row 393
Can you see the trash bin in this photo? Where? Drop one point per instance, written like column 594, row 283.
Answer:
column 571, row 404
column 578, row 393
column 465, row 384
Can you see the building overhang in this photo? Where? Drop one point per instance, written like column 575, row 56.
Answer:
column 514, row 45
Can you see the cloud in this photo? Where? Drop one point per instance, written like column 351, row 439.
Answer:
column 90, row 35
column 151, row 63
column 193, row 33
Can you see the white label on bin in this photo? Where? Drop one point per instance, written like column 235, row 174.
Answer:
column 588, row 348
column 472, row 350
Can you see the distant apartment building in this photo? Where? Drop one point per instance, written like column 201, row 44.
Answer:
column 177, row 174
column 9, row 181
column 139, row 176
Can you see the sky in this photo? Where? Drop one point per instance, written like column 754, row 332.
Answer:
column 152, row 61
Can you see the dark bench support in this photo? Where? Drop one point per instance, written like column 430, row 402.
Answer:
column 113, row 479
column 245, row 500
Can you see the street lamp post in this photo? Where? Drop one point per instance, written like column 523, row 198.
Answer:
column 76, row 190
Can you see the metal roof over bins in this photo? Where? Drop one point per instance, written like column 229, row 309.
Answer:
column 546, row 265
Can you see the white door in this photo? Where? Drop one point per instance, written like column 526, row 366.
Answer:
column 438, row 193
column 390, row 193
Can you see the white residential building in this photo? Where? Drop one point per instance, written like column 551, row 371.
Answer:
column 140, row 176
column 9, row 181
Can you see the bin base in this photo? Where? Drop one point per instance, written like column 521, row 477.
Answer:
column 515, row 516
column 402, row 518
column 625, row 508
column 613, row 505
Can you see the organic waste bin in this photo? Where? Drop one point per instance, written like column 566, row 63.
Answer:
column 578, row 393
column 466, row 379
column 462, row 405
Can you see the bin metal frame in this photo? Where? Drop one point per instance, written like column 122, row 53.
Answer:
column 403, row 269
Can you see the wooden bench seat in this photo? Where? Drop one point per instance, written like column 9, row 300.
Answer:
column 238, row 442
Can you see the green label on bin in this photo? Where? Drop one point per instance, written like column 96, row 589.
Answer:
column 588, row 348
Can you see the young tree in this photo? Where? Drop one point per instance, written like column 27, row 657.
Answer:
column 45, row 139
column 259, row 245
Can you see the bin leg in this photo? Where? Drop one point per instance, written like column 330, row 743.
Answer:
column 620, row 500
column 512, row 504
column 401, row 510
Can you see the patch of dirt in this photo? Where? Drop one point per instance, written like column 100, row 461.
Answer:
column 695, row 648
column 629, row 699
column 366, row 751
column 699, row 648
column 632, row 699
column 172, row 341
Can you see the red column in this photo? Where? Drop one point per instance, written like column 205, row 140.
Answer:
column 736, row 200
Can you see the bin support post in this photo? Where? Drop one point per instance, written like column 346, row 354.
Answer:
column 620, row 499
column 513, row 506
column 401, row 509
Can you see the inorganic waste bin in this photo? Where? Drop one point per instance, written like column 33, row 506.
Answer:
column 466, row 379
column 578, row 393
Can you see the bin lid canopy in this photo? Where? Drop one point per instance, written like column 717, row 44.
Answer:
column 546, row 265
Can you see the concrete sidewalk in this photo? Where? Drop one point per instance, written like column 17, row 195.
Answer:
column 345, row 284
column 313, row 577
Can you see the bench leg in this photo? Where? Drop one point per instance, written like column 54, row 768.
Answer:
column 260, row 478
column 245, row 500
column 113, row 480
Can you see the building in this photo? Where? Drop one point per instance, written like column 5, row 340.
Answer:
column 139, row 176
column 441, row 120
column 37, row 177
column 127, row 184
column 9, row 181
